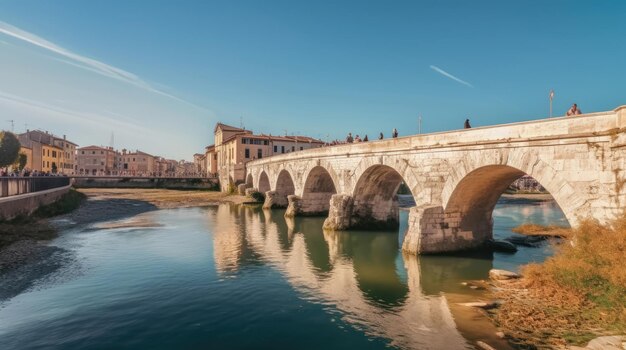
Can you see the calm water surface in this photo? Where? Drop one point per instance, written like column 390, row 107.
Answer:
column 235, row 277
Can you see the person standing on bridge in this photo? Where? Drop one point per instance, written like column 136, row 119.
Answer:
column 357, row 138
column 467, row 124
column 394, row 133
column 380, row 137
column 349, row 139
column 574, row 110
column 365, row 139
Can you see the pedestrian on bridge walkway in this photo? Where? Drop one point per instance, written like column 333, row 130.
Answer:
column 574, row 110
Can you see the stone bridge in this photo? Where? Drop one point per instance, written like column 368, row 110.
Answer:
column 455, row 177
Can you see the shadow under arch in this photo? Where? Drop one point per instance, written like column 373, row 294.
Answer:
column 375, row 201
column 284, row 187
column 264, row 182
column 471, row 204
column 249, row 180
column 319, row 187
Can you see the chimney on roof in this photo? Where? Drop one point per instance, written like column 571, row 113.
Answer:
column 64, row 138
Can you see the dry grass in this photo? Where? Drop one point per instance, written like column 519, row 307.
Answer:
column 540, row 230
column 576, row 295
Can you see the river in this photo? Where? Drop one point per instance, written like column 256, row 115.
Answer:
column 237, row 277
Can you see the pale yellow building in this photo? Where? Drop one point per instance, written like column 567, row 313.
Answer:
column 50, row 159
column 64, row 149
column 67, row 159
column 234, row 147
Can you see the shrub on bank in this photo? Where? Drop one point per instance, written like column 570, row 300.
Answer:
column 258, row 196
column 588, row 274
column 67, row 203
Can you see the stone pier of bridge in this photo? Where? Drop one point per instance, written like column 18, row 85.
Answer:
column 455, row 178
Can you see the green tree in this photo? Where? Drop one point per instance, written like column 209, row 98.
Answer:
column 21, row 161
column 54, row 167
column 9, row 148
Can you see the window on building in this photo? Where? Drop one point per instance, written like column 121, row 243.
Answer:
column 293, row 148
column 82, row 152
column 282, row 149
column 259, row 153
column 301, row 148
column 54, row 154
column 247, row 153
column 43, row 152
column 275, row 148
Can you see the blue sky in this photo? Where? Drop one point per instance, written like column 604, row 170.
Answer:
column 160, row 74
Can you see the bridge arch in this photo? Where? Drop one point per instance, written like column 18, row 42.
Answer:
column 319, row 187
column 283, row 188
column 263, row 184
column 375, row 202
column 493, row 176
column 249, row 180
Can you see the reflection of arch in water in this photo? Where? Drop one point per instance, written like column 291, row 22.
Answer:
column 373, row 256
column 407, row 324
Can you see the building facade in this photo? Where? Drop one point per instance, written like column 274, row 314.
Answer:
column 138, row 163
column 97, row 160
column 234, row 147
column 49, row 152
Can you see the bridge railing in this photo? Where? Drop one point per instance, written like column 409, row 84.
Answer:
column 13, row 186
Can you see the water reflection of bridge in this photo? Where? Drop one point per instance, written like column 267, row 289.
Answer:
column 362, row 274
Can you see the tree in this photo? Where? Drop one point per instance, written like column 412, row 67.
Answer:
column 22, row 159
column 9, row 148
column 54, row 167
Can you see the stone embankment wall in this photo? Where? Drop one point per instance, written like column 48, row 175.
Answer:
column 26, row 204
column 166, row 183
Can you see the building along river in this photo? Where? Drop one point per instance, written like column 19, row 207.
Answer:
column 234, row 276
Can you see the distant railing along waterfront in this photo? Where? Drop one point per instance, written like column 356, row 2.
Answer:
column 13, row 186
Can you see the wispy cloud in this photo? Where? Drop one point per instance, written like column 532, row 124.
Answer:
column 30, row 106
column 86, row 63
column 446, row 74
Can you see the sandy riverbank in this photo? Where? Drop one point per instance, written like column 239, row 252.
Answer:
column 164, row 199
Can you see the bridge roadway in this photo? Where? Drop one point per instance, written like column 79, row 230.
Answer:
column 455, row 177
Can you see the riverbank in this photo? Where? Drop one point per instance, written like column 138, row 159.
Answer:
column 575, row 296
